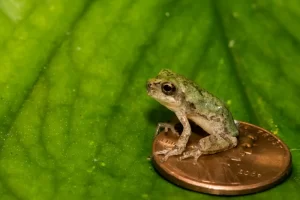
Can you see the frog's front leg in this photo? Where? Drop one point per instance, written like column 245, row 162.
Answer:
column 211, row 144
column 182, row 141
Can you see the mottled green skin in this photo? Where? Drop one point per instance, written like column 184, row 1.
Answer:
column 189, row 101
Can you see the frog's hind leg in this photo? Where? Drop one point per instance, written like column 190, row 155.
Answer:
column 210, row 145
column 217, row 143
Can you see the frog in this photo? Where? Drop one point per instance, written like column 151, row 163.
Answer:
column 190, row 102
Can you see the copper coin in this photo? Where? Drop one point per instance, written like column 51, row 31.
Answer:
column 260, row 161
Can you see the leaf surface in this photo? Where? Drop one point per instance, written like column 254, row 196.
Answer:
column 75, row 119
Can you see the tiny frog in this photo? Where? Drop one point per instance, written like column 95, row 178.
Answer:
column 189, row 101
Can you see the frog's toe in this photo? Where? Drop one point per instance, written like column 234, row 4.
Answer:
column 193, row 153
column 163, row 152
column 174, row 152
column 169, row 152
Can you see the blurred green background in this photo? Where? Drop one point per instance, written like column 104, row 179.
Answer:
column 75, row 119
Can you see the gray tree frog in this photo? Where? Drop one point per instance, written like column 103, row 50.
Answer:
column 189, row 101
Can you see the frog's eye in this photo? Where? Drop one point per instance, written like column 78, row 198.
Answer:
column 168, row 88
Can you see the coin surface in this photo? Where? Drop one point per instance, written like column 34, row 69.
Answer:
column 260, row 161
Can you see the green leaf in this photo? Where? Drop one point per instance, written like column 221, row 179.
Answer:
column 75, row 120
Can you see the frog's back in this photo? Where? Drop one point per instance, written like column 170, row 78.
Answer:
column 208, row 111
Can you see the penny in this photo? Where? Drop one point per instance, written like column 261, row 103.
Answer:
column 260, row 161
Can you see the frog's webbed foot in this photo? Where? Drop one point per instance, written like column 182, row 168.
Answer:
column 176, row 150
column 166, row 127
